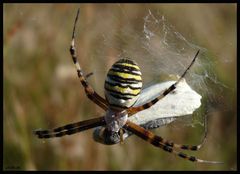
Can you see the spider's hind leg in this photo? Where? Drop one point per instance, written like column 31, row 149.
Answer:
column 91, row 94
column 134, row 110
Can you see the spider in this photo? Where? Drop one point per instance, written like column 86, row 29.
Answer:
column 123, row 86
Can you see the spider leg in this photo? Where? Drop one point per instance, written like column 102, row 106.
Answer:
column 89, row 74
column 70, row 128
column 134, row 110
column 181, row 146
column 187, row 147
column 91, row 94
column 159, row 142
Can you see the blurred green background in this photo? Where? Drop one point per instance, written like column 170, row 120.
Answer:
column 41, row 89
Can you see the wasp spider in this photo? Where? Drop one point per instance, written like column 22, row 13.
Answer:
column 122, row 90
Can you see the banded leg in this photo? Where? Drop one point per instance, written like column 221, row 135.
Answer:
column 70, row 129
column 182, row 146
column 188, row 147
column 91, row 94
column 134, row 110
column 157, row 141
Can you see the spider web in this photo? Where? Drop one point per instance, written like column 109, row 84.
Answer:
column 162, row 53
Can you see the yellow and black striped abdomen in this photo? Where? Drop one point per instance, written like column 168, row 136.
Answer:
column 123, row 84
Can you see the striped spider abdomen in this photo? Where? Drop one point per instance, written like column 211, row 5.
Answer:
column 123, row 84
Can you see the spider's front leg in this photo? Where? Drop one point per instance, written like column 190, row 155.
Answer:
column 158, row 142
column 91, row 94
column 70, row 129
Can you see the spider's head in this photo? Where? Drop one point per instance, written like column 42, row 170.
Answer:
column 104, row 136
column 123, row 84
